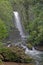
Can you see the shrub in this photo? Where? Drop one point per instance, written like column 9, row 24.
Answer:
column 14, row 54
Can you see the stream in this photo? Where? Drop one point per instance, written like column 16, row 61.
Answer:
column 36, row 55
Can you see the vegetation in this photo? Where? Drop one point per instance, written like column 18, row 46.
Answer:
column 6, row 12
column 31, row 12
column 6, row 19
column 3, row 30
column 14, row 54
column 35, row 26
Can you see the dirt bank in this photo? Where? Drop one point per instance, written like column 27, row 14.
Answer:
column 13, row 63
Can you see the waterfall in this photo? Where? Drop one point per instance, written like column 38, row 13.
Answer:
column 20, row 28
column 18, row 23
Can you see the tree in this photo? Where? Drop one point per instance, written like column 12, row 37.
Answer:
column 3, row 30
column 6, row 12
column 34, row 26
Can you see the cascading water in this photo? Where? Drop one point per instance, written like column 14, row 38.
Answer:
column 18, row 23
column 37, row 55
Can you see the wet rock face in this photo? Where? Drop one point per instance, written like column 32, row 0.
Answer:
column 15, row 35
column 40, row 48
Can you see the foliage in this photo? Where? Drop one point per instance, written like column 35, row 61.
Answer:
column 3, row 30
column 10, row 54
column 6, row 18
column 6, row 12
column 36, row 30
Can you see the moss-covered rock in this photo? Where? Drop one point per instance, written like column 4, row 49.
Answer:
column 14, row 54
column 29, row 45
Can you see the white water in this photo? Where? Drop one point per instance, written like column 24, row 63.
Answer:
column 36, row 55
column 8, row 45
column 31, row 52
column 18, row 23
